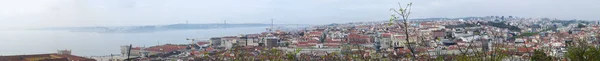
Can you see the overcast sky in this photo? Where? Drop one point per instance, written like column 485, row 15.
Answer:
column 61, row 13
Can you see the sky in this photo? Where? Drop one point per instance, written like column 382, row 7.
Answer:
column 16, row 14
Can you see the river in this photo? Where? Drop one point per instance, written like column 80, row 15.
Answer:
column 18, row 42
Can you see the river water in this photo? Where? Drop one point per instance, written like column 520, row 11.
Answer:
column 18, row 42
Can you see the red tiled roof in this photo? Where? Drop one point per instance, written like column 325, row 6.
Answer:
column 318, row 33
column 202, row 43
column 136, row 48
column 208, row 49
column 358, row 39
column 313, row 41
column 333, row 41
column 302, row 42
column 452, row 47
column 51, row 57
column 305, row 45
column 196, row 53
column 75, row 58
column 402, row 51
column 166, row 48
column 361, row 27
column 400, row 37
column 439, row 33
column 386, row 35
column 523, row 49
column 57, row 59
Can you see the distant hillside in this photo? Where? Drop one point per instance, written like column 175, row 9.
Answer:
column 153, row 28
column 502, row 25
column 435, row 19
column 462, row 25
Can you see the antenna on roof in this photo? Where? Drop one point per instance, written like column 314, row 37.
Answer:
column 270, row 30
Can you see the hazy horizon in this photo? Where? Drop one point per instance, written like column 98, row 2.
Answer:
column 101, row 44
column 61, row 13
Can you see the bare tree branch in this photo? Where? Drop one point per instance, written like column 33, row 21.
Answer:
column 404, row 13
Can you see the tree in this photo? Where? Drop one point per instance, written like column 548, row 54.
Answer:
column 580, row 26
column 292, row 55
column 583, row 52
column 539, row 55
column 404, row 13
column 496, row 55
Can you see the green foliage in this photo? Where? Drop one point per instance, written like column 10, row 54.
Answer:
column 466, row 58
column 539, row 55
column 583, row 52
column 498, row 57
column 392, row 19
column 292, row 56
column 462, row 25
column 502, row 25
column 480, row 56
column 581, row 26
column 404, row 13
column 440, row 58
column 532, row 33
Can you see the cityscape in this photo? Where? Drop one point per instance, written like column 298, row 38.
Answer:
column 401, row 38
column 489, row 38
